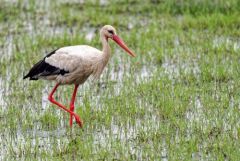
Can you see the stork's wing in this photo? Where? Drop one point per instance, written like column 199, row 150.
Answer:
column 72, row 57
column 42, row 68
column 64, row 60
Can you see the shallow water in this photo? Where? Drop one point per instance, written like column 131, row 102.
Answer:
column 2, row 101
column 29, row 100
column 114, row 78
column 176, row 67
column 43, row 139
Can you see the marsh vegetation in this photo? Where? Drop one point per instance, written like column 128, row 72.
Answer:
column 177, row 100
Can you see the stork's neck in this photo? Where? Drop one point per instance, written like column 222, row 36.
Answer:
column 103, row 58
column 106, row 49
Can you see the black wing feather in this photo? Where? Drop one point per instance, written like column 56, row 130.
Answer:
column 42, row 68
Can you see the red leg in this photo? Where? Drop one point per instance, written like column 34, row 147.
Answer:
column 72, row 103
column 51, row 99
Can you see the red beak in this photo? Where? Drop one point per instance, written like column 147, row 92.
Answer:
column 121, row 43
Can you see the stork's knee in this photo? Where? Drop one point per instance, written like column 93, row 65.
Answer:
column 50, row 98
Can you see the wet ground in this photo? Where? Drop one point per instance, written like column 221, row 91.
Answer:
column 177, row 100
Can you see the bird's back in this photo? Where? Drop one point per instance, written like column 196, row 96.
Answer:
column 80, row 50
column 71, row 64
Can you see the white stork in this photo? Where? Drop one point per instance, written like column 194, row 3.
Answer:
column 74, row 64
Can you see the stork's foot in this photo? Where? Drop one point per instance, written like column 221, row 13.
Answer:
column 78, row 120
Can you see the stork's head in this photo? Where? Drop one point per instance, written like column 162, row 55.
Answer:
column 109, row 32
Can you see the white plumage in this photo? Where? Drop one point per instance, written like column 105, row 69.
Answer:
column 80, row 61
column 74, row 65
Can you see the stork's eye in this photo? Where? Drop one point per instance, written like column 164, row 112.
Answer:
column 110, row 31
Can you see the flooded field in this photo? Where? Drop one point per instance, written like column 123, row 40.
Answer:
column 177, row 100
